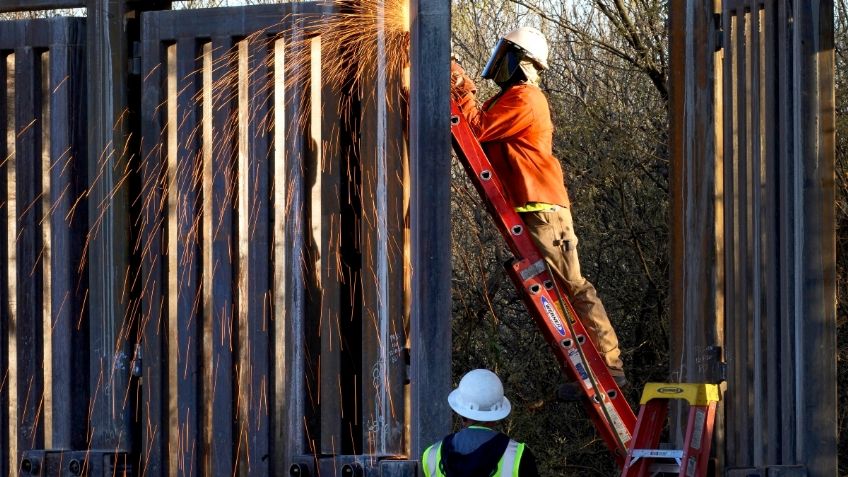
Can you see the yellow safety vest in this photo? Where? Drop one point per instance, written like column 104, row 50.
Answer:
column 538, row 207
column 507, row 465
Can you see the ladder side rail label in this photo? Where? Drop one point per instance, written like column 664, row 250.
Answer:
column 564, row 344
column 698, row 441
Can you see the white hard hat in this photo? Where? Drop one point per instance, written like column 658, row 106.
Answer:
column 480, row 397
column 533, row 42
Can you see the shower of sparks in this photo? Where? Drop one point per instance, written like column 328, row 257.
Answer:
column 199, row 212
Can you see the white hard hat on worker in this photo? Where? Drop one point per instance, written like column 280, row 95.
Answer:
column 524, row 48
column 480, row 397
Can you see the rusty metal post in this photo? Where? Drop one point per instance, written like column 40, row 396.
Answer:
column 430, row 222
column 108, row 253
column 111, row 144
column 696, row 298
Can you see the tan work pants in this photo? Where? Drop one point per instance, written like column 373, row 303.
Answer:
column 554, row 235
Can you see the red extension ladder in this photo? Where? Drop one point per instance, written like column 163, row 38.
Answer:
column 551, row 310
column 630, row 441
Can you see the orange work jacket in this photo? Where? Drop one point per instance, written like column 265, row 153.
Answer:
column 516, row 131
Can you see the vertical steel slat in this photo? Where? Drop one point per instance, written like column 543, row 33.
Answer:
column 326, row 220
column 58, row 414
column 306, row 246
column 242, row 239
column 218, row 322
column 299, row 341
column 80, row 224
column 800, row 115
column 785, row 237
column 172, row 259
column 771, row 268
column 730, row 157
column 68, row 225
column 755, row 214
column 46, row 258
column 322, row 257
column 815, row 312
column 351, row 252
column 28, row 321
column 821, row 342
column 279, row 442
column 429, row 118
column 108, row 246
column 305, row 243
column 741, row 218
column 291, row 279
column 280, row 438
column 151, row 248
column 383, row 328
column 375, row 286
column 259, row 257
column 713, row 271
column 7, row 84
column 186, row 178
column 398, row 311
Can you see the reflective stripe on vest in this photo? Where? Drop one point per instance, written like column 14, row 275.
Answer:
column 432, row 457
column 507, row 465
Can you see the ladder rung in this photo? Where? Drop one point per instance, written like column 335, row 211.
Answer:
column 657, row 453
column 663, row 468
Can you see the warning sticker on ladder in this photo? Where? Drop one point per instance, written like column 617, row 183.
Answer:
column 574, row 357
column 691, row 467
column 617, row 423
column 698, row 430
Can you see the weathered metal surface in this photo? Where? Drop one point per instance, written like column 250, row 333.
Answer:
column 23, row 5
column 208, row 150
column 770, row 198
column 696, row 296
column 384, row 318
column 429, row 154
column 260, row 255
column 292, row 242
column 43, row 146
column 112, row 26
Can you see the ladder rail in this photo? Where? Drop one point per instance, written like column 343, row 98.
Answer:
column 608, row 409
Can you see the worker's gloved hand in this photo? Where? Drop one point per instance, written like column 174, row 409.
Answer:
column 457, row 74
column 462, row 88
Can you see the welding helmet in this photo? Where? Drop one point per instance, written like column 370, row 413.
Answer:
column 480, row 397
column 524, row 48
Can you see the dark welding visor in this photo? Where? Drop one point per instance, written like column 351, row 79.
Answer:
column 502, row 48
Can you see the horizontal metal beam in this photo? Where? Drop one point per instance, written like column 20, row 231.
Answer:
column 7, row 6
column 25, row 5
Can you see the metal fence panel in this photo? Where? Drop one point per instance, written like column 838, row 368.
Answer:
column 44, row 331
column 273, row 249
column 773, row 197
column 269, row 287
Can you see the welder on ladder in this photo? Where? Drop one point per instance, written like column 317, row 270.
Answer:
column 516, row 132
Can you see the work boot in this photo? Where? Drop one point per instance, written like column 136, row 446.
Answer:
column 573, row 390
